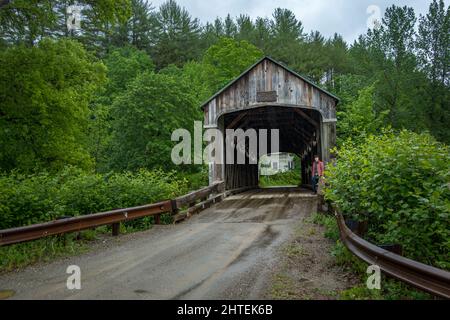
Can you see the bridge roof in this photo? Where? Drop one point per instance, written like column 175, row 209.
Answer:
column 304, row 78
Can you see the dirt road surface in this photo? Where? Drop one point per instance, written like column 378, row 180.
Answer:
column 226, row 252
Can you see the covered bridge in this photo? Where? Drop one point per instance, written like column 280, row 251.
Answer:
column 271, row 96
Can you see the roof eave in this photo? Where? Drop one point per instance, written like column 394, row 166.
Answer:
column 277, row 63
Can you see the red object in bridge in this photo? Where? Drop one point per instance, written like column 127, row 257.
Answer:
column 320, row 168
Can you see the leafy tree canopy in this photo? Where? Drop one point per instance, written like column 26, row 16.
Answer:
column 145, row 116
column 227, row 59
column 45, row 95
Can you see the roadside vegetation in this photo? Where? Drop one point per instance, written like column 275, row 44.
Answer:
column 291, row 177
column 282, row 179
column 400, row 183
column 391, row 289
column 41, row 197
column 86, row 116
column 306, row 269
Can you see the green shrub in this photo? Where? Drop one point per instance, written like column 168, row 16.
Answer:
column 288, row 178
column 42, row 197
column 23, row 254
column 360, row 293
column 400, row 183
column 329, row 222
column 195, row 180
column 391, row 289
column 45, row 94
column 29, row 199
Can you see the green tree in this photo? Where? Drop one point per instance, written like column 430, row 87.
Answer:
column 218, row 27
column 209, row 35
column 313, row 57
column 397, row 75
column 145, row 116
column 27, row 21
column 358, row 119
column 44, row 111
column 433, row 45
column 177, row 36
column 124, row 65
column 286, row 36
column 365, row 58
column 398, row 182
column 262, row 37
column 230, row 28
column 286, row 26
column 226, row 60
column 193, row 75
column 336, row 50
column 138, row 29
column 23, row 21
column 101, row 34
column 245, row 27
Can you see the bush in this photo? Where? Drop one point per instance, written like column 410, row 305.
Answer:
column 23, row 254
column 29, row 199
column 195, row 180
column 288, row 178
column 391, row 289
column 42, row 197
column 401, row 184
column 329, row 222
column 359, row 118
column 45, row 94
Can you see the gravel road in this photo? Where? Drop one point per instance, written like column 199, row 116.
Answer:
column 225, row 252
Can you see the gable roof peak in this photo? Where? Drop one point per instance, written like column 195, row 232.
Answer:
column 282, row 65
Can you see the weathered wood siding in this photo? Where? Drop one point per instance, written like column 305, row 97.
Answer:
column 269, row 77
column 269, row 84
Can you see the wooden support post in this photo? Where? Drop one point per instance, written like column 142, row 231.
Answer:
column 307, row 118
column 175, row 209
column 236, row 120
column 115, row 229
column 158, row 219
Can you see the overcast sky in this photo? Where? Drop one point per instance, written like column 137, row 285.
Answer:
column 346, row 17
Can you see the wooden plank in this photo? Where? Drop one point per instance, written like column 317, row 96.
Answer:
column 197, row 195
column 307, row 118
column 236, row 120
column 198, row 208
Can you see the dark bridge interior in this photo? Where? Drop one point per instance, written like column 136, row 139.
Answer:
column 299, row 133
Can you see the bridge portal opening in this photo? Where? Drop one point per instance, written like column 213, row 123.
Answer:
column 268, row 96
column 299, row 135
column 279, row 170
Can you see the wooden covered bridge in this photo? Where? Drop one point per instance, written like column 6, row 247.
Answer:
column 271, row 96
column 242, row 232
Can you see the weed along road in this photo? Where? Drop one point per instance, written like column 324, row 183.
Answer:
column 225, row 252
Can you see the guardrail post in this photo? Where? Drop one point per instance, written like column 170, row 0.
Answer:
column 174, row 206
column 158, row 219
column 115, row 229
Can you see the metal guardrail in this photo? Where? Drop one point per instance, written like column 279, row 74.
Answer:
column 215, row 196
column 202, row 194
column 114, row 218
column 37, row 231
column 416, row 274
column 419, row 275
